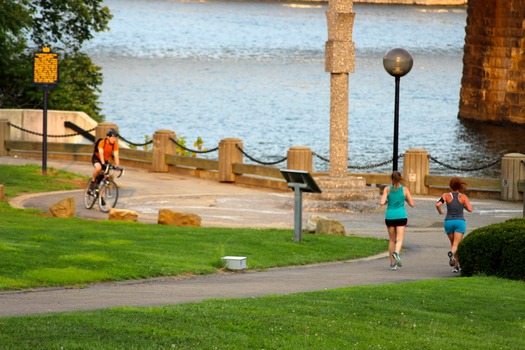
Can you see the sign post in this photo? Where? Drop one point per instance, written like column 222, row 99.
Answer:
column 45, row 75
column 521, row 188
column 299, row 181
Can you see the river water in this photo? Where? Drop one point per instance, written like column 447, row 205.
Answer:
column 255, row 71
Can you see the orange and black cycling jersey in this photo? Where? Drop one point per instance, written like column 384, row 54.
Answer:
column 108, row 149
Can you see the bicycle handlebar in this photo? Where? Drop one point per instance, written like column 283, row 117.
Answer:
column 113, row 167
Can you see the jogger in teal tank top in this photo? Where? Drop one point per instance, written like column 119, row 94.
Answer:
column 396, row 218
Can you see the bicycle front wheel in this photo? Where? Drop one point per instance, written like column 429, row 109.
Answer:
column 108, row 195
column 89, row 196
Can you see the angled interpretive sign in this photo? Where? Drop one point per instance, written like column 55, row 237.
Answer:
column 299, row 181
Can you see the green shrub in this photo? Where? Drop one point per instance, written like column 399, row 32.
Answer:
column 495, row 250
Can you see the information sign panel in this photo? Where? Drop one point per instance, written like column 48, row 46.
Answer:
column 45, row 68
column 299, row 181
column 45, row 76
column 302, row 178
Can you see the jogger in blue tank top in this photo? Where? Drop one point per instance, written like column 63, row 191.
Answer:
column 455, row 225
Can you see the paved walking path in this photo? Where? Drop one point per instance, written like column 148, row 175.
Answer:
column 229, row 205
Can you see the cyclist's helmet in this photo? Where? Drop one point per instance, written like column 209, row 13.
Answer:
column 111, row 132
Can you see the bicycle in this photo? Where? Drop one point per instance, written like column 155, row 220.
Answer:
column 105, row 190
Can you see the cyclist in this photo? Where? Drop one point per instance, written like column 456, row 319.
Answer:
column 104, row 150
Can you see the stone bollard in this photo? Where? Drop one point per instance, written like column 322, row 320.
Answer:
column 415, row 168
column 162, row 145
column 4, row 136
column 229, row 155
column 512, row 171
column 300, row 158
column 103, row 128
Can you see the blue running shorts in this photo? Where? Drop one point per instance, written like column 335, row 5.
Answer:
column 452, row 226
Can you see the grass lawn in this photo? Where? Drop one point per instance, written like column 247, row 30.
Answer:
column 38, row 250
column 18, row 180
column 457, row 313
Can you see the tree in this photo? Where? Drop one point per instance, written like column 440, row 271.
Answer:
column 64, row 25
column 14, row 21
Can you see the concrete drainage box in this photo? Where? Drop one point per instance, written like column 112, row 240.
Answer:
column 234, row 262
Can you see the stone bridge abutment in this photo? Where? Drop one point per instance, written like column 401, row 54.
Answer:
column 493, row 82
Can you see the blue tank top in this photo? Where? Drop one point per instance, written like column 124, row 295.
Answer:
column 455, row 208
column 396, row 204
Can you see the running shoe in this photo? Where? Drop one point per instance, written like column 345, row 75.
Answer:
column 393, row 267
column 455, row 269
column 451, row 260
column 397, row 258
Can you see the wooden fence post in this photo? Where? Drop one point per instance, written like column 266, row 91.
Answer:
column 103, row 128
column 4, row 136
column 229, row 155
column 162, row 145
column 512, row 170
column 415, row 168
column 300, row 158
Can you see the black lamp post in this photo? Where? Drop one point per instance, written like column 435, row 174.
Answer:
column 397, row 62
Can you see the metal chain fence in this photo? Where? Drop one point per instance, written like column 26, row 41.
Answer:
column 359, row 167
column 193, row 150
column 40, row 134
column 258, row 161
column 135, row 144
column 489, row 165
column 75, row 134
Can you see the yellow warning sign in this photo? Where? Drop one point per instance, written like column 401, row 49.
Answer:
column 45, row 67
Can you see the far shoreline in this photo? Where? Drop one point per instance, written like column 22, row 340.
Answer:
column 415, row 2
column 400, row 2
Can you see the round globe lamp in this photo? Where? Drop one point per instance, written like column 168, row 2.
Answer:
column 397, row 62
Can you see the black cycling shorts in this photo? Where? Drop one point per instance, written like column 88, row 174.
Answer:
column 95, row 159
column 396, row 222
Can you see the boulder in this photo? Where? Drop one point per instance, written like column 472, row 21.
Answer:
column 311, row 222
column 174, row 218
column 330, row 227
column 64, row 208
column 122, row 215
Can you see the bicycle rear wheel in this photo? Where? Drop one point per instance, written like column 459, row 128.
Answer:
column 90, row 197
column 107, row 196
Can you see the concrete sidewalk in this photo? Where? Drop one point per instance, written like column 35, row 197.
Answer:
column 229, row 205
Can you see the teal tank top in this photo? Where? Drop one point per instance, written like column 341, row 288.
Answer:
column 396, row 204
